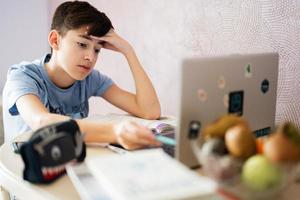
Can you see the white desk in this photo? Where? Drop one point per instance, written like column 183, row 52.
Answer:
column 11, row 167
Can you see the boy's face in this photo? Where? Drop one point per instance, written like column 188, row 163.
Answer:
column 77, row 53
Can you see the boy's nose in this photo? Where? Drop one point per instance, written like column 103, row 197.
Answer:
column 89, row 56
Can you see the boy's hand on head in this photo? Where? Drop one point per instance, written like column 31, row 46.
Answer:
column 114, row 42
column 134, row 136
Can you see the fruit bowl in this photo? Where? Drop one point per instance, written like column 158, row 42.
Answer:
column 243, row 191
column 245, row 166
column 229, row 173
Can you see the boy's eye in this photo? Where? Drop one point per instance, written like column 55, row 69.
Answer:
column 81, row 44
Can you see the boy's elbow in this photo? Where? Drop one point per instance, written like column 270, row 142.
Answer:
column 152, row 114
column 151, row 117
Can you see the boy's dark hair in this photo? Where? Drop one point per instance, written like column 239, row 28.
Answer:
column 74, row 14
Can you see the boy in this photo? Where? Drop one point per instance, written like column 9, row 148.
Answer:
column 58, row 86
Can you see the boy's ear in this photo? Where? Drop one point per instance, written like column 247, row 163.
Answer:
column 53, row 39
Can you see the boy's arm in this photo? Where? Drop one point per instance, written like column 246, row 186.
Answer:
column 128, row 134
column 144, row 103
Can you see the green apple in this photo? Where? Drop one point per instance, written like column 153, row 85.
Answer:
column 259, row 173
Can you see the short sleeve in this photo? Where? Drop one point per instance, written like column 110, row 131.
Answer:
column 19, row 83
column 98, row 83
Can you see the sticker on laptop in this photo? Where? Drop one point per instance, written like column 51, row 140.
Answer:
column 194, row 128
column 248, row 71
column 226, row 101
column 264, row 86
column 236, row 102
column 221, row 82
column 202, row 95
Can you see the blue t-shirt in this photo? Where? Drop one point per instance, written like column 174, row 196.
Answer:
column 32, row 78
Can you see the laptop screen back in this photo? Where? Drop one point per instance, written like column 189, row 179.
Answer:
column 211, row 87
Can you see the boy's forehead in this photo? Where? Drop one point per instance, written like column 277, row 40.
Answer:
column 82, row 32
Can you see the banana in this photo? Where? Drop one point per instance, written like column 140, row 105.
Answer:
column 219, row 128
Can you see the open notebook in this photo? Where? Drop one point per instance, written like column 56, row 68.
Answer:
column 148, row 175
column 85, row 183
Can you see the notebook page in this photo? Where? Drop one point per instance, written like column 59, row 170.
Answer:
column 149, row 174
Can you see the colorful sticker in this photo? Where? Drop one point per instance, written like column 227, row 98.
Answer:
column 221, row 82
column 194, row 128
column 226, row 101
column 202, row 95
column 248, row 71
column 236, row 102
column 264, row 86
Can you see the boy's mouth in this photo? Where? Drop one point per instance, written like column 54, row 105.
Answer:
column 84, row 67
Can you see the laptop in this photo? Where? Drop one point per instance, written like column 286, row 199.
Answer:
column 214, row 86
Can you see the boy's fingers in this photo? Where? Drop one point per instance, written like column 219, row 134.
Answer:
column 141, row 135
column 147, row 138
column 135, row 136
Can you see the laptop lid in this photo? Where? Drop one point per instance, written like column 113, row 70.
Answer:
column 214, row 86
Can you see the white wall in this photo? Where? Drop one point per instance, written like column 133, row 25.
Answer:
column 23, row 35
column 23, row 32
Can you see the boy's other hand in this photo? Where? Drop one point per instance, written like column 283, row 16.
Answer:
column 114, row 42
column 134, row 136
